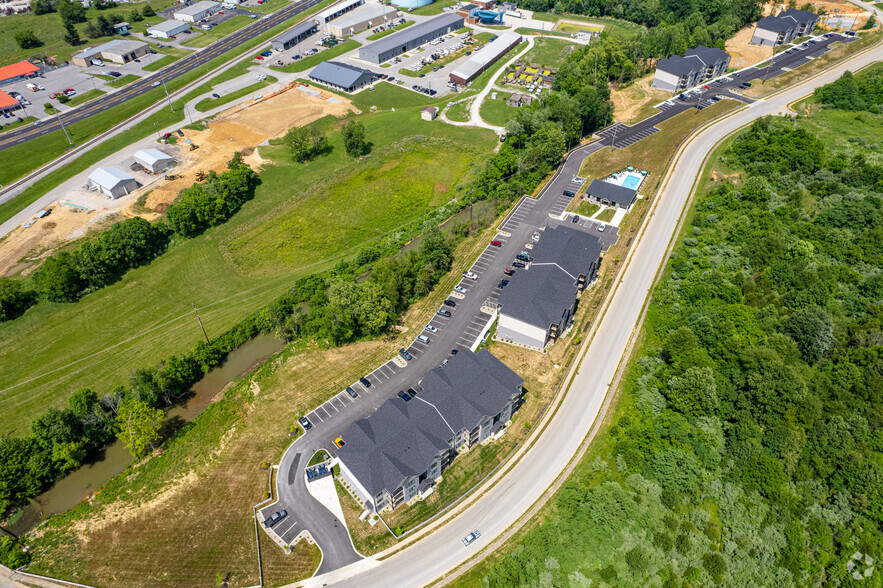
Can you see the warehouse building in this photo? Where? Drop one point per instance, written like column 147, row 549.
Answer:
column 197, row 11
column 112, row 182
column 481, row 61
column 8, row 103
column 676, row 73
column 364, row 18
column 338, row 10
column 17, row 71
column 153, row 160
column 168, row 29
column 398, row 454
column 293, row 36
column 538, row 305
column 414, row 36
column 339, row 76
column 117, row 51
column 784, row 27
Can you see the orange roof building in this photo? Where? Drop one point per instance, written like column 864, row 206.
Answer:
column 7, row 102
column 17, row 70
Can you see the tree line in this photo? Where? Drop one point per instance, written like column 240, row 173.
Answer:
column 854, row 93
column 72, row 13
column 748, row 447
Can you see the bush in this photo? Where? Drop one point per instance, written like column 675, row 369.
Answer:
column 11, row 554
column 26, row 39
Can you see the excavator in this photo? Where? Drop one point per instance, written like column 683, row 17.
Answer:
column 170, row 177
column 200, row 176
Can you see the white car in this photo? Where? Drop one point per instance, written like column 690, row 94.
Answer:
column 460, row 289
column 430, row 328
column 155, row 84
column 602, row 227
column 471, row 537
column 470, row 275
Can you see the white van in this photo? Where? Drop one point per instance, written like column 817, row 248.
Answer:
column 97, row 62
column 423, row 339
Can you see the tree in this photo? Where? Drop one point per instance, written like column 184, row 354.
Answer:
column 69, row 11
column 813, row 331
column 694, row 393
column 135, row 16
column 305, row 143
column 235, row 161
column 138, row 425
column 91, row 31
column 43, row 6
column 354, row 139
column 148, row 11
column 71, row 36
column 26, row 39
column 14, row 299
column 104, row 26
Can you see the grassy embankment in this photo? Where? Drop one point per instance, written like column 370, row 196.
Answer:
column 84, row 97
column 210, row 103
column 548, row 53
column 495, row 112
column 206, row 38
column 610, row 24
column 303, row 219
column 123, row 81
column 172, row 54
column 389, row 31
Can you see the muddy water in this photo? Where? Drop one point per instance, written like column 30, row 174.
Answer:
column 81, row 483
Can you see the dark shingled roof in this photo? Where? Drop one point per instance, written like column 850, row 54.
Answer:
column 680, row 66
column 801, row 16
column 708, row 55
column 542, row 294
column 778, row 24
column 402, row 439
column 611, row 192
column 339, row 74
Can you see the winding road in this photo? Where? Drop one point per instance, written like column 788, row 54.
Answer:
column 530, row 475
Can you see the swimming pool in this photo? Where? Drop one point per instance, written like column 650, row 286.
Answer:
column 632, row 182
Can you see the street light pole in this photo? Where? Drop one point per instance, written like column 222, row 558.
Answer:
column 62, row 125
column 163, row 78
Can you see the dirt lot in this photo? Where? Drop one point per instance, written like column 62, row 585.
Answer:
column 242, row 128
column 636, row 100
column 744, row 54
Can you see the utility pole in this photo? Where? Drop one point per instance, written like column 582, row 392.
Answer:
column 62, row 126
column 163, row 78
column 200, row 323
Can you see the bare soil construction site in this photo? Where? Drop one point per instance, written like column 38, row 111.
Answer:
column 240, row 128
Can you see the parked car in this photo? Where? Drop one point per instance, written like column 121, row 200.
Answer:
column 443, row 312
column 405, row 355
column 450, row 303
column 430, row 328
column 351, row 392
column 503, row 284
column 460, row 289
column 471, row 537
column 339, row 442
column 496, row 243
column 404, row 396
column 364, row 381
column 601, row 227
column 509, row 272
column 305, row 423
column 455, row 351
column 215, row 95
column 411, row 392
column 470, row 275
column 275, row 518
column 517, row 264
column 575, row 219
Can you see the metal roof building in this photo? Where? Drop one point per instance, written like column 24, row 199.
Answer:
column 338, row 10
column 167, row 29
column 111, row 181
column 154, row 160
column 369, row 16
column 340, row 76
column 293, row 36
column 388, row 47
column 197, row 11
column 481, row 61
column 117, row 51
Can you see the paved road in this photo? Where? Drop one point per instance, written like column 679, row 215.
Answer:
column 143, row 86
column 527, row 480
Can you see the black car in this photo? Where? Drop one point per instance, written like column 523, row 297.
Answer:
column 275, row 518
column 215, row 95
column 575, row 219
column 405, row 355
column 450, row 303
column 569, row 192
column 305, row 423
column 404, row 396
column 412, row 392
column 523, row 258
column 365, row 382
column 455, row 351
column 443, row 312
column 517, row 264
column 351, row 392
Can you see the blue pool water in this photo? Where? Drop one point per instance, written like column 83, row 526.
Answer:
column 632, row 182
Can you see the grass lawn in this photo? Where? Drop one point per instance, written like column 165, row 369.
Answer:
column 123, row 81
column 839, row 51
column 268, row 6
column 606, row 215
column 305, row 64
column 206, row 38
column 304, row 218
column 85, row 97
column 459, row 112
column 368, row 539
column 14, row 124
column 209, row 103
column 49, row 29
column 483, row 38
column 583, row 207
column 386, row 96
column 435, row 8
column 541, row 32
column 548, row 53
column 173, row 54
column 610, row 24
column 495, row 112
column 389, row 31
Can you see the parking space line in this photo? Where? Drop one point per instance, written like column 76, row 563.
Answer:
column 328, row 414
column 316, row 414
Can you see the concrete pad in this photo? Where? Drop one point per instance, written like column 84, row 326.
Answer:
column 617, row 218
column 323, row 490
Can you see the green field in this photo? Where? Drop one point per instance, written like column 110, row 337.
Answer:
column 209, row 103
column 459, row 112
column 303, row 219
column 206, row 38
column 436, row 7
column 610, row 24
column 495, row 112
column 50, row 30
column 85, row 97
column 12, row 123
column 389, row 31
column 549, row 52
column 316, row 59
column 172, row 54
column 541, row 32
column 123, row 81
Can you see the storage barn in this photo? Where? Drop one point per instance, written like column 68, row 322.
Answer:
column 198, row 11
column 338, row 10
column 292, row 37
column 111, row 181
column 414, row 36
column 117, row 51
column 340, row 76
column 362, row 19
column 168, row 29
column 481, row 61
column 154, row 160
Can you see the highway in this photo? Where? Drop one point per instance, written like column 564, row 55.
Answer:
column 524, row 481
column 179, row 68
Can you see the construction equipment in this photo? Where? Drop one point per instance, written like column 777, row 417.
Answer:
column 200, row 176
column 171, row 177
column 194, row 146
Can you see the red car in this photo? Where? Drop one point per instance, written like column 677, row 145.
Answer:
column 707, row 87
column 261, row 57
column 167, row 135
column 509, row 272
column 496, row 243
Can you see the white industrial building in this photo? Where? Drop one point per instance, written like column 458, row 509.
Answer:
column 198, row 11
column 364, row 18
column 168, row 29
column 154, row 160
column 117, row 51
column 482, row 60
column 111, row 181
column 338, row 10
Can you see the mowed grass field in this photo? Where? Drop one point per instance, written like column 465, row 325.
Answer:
column 548, row 52
column 304, row 218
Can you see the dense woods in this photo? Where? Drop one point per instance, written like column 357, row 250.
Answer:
column 749, row 447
